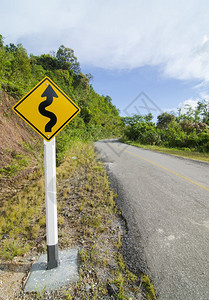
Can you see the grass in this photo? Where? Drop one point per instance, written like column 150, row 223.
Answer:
column 93, row 213
column 20, row 217
column 149, row 288
column 19, row 163
column 87, row 218
column 186, row 152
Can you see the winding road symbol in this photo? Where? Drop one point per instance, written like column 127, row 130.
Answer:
column 49, row 93
column 45, row 114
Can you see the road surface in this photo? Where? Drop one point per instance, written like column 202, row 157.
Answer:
column 165, row 201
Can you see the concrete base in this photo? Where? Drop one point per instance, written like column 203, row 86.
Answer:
column 41, row 279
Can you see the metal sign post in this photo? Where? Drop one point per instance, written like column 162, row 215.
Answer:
column 51, row 204
column 48, row 123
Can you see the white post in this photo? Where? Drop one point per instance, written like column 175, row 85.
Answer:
column 51, row 204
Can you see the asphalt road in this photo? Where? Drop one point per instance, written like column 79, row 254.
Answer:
column 165, row 201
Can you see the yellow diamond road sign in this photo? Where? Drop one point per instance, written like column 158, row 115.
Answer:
column 46, row 108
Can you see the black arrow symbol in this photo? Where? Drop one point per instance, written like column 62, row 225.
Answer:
column 49, row 93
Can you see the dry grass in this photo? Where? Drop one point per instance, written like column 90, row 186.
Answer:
column 20, row 217
column 87, row 218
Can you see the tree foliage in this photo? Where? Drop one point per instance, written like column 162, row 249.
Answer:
column 19, row 72
column 190, row 129
column 67, row 59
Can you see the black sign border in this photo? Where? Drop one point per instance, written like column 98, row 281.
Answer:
column 36, row 129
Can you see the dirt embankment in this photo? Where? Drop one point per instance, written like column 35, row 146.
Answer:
column 19, row 146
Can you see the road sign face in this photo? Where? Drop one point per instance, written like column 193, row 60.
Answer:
column 46, row 108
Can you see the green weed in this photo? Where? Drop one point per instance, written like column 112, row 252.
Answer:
column 150, row 291
column 19, row 163
column 40, row 294
column 11, row 248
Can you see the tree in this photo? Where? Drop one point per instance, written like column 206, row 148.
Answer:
column 203, row 108
column 16, row 70
column 11, row 48
column 67, row 59
column 48, row 62
column 141, row 128
column 1, row 41
column 148, row 118
column 2, row 60
column 164, row 120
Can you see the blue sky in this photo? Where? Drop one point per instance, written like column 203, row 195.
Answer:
column 125, row 85
column 159, row 48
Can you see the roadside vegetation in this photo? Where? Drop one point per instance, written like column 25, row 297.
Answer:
column 186, row 153
column 185, row 135
column 87, row 219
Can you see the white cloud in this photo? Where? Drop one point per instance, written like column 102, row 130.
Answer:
column 204, row 96
column 117, row 34
column 186, row 104
column 189, row 103
column 183, row 106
